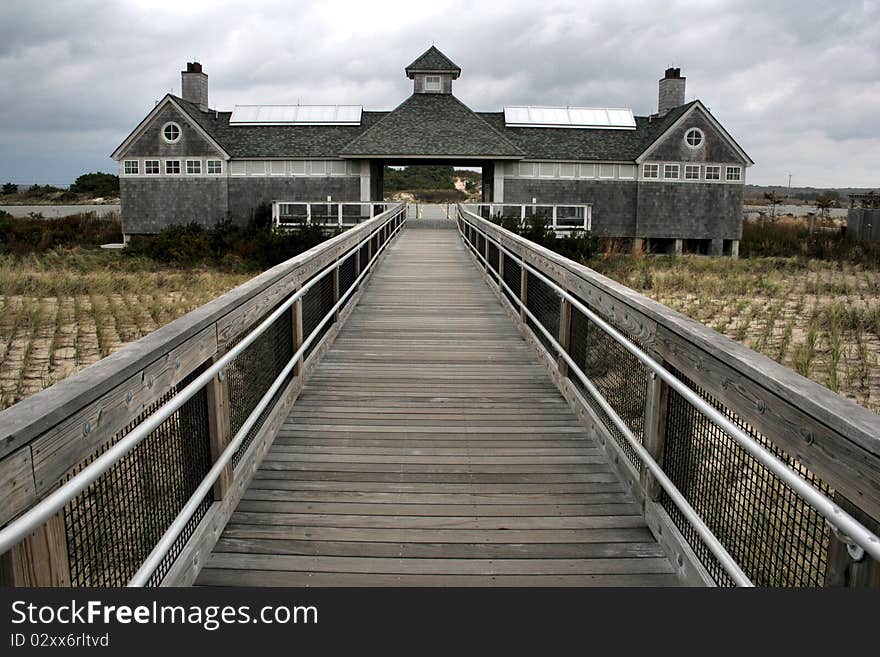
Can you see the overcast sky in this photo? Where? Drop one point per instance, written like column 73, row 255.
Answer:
column 797, row 83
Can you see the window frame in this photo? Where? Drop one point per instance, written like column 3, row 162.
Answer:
column 176, row 126
column 219, row 167
column 655, row 167
column 669, row 166
column 712, row 172
column 613, row 174
column 629, row 167
column 553, row 170
column 148, row 164
column 692, row 166
column 136, row 167
column 572, row 174
column 733, row 169
column 533, row 170
column 697, row 131
column 439, row 86
column 168, row 165
column 198, row 167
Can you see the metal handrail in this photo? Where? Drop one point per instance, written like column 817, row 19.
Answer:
column 841, row 522
column 41, row 512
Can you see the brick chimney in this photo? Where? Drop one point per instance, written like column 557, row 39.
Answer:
column 671, row 91
column 194, row 85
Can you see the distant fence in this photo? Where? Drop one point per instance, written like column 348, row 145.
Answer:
column 290, row 214
column 557, row 217
column 863, row 224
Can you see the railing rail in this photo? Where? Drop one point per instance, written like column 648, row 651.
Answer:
column 558, row 217
column 608, row 304
column 292, row 306
column 287, row 215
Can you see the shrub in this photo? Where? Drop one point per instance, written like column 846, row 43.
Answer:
column 36, row 234
column 788, row 240
column 10, row 188
column 96, row 184
column 578, row 245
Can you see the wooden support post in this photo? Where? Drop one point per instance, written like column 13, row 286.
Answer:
column 500, row 269
column 218, row 428
column 564, row 333
column 40, row 559
column 523, row 289
column 336, row 290
column 841, row 568
column 297, row 333
column 656, row 404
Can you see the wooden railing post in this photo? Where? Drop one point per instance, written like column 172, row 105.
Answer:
column 564, row 334
column 336, row 290
column 841, row 569
column 297, row 333
column 40, row 559
column 656, row 404
column 218, row 428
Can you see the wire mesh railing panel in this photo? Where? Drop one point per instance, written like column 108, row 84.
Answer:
column 493, row 260
column 543, row 301
column 776, row 537
column 253, row 372
column 317, row 302
column 346, row 274
column 512, row 276
column 481, row 244
column 618, row 375
column 114, row 524
column 364, row 255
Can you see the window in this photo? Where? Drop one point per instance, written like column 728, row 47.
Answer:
column 566, row 170
column 691, row 171
column 713, row 172
column 527, row 169
column 354, row 168
column 171, row 132
column 172, row 167
column 627, row 171
column 337, row 167
column 588, row 171
column 432, row 83
column 256, row 168
column 237, row 168
column 131, row 167
column 151, row 167
column 298, row 168
column 651, row 171
column 194, row 167
column 318, row 168
column 277, row 168
column 215, row 167
column 546, row 169
column 693, row 137
column 606, row 170
column 670, row 172
column 733, row 174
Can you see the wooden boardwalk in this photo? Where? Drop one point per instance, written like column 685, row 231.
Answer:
column 432, row 448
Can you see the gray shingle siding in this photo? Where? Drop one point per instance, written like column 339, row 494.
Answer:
column 614, row 202
column 689, row 210
column 151, row 204
column 246, row 193
column 150, row 141
column 715, row 147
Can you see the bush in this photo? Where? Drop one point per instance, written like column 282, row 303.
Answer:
column 96, row 184
column 786, row 240
column 253, row 247
column 36, row 234
column 578, row 245
column 10, row 188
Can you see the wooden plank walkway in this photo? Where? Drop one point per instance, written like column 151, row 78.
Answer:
column 431, row 448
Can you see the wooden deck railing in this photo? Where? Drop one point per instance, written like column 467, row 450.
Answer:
column 102, row 535
column 830, row 443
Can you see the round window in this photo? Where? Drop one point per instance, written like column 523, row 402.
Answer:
column 171, row 132
column 693, row 137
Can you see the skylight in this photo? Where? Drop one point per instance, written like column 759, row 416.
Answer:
column 296, row 115
column 569, row 117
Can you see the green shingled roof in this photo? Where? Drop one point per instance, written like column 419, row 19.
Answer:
column 428, row 125
column 585, row 143
column 277, row 141
column 432, row 60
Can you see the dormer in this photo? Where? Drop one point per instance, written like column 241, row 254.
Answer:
column 432, row 73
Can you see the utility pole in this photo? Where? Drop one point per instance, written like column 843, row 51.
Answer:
column 789, row 185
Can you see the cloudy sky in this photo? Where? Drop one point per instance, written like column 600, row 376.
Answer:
column 796, row 82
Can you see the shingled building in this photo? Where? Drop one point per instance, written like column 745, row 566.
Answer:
column 673, row 178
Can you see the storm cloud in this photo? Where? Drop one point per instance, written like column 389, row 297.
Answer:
column 796, row 83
